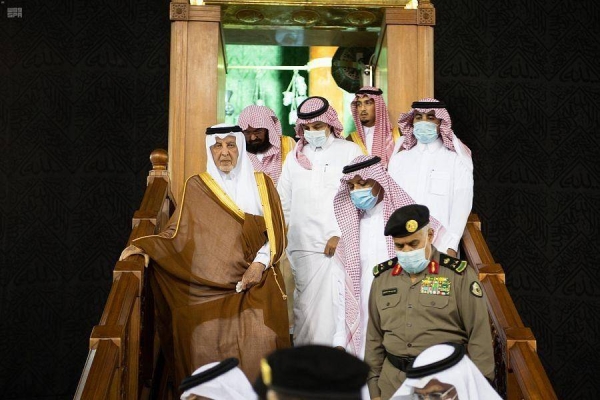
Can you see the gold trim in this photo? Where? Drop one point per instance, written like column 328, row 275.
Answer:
column 396, row 134
column 178, row 217
column 356, row 139
column 287, row 145
column 268, row 215
column 221, row 195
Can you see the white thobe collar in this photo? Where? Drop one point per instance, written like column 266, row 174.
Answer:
column 231, row 187
column 430, row 147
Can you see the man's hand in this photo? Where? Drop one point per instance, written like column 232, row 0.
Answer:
column 451, row 252
column 133, row 250
column 252, row 275
column 331, row 246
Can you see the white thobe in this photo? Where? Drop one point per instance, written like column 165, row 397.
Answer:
column 263, row 255
column 307, row 194
column 373, row 250
column 307, row 201
column 369, row 133
column 440, row 179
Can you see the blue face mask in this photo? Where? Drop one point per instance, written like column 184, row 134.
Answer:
column 363, row 199
column 425, row 131
column 414, row 261
column 315, row 138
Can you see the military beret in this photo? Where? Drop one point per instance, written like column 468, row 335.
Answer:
column 407, row 220
column 313, row 372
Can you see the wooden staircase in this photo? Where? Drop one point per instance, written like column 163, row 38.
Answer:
column 124, row 359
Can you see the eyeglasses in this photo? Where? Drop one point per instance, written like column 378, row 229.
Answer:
column 435, row 395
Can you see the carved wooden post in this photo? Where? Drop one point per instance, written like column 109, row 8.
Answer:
column 197, row 87
column 404, row 56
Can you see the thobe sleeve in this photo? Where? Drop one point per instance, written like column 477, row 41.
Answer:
column 284, row 188
column 263, row 255
column 462, row 202
column 474, row 314
column 374, row 350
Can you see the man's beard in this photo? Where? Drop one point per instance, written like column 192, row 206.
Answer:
column 257, row 147
column 364, row 120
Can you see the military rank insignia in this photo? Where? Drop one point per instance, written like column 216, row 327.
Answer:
column 397, row 270
column 476, row 289
column 454, row 264
column 384, row 266
column 438, row 285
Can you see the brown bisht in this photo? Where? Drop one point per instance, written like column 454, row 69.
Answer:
column 200, row 257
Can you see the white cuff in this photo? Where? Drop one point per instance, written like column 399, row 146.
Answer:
column 263, row 255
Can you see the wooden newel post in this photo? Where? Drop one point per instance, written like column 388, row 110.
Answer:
column 159, row 159
column 197, row 87
column 404, row 56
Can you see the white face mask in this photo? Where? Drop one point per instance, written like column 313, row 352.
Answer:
column 316, row 138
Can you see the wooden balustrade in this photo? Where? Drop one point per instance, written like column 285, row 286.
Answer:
column 519, row 372
column 121, row 356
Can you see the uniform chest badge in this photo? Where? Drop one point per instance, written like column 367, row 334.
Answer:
column 476, row 289
column 437, row 285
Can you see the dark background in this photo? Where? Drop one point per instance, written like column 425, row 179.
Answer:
column 84, row 100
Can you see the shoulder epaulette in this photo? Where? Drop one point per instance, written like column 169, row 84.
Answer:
column 454, row 264
column 384, row 266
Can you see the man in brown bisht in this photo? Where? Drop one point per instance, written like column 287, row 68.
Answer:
column 267, row 149
column 216, row 283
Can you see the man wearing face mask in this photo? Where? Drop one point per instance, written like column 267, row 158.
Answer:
column 434, row 167
column 308, row 183
column 420, row 298
column 363, row 204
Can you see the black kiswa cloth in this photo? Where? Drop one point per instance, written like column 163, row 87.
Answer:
column 438, row 366
column 208, row 375
column 358, row 166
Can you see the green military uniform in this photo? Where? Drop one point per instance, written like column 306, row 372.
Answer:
column 444, row 304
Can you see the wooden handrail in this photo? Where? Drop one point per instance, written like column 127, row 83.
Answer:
column 517, row 362
column 117, row 365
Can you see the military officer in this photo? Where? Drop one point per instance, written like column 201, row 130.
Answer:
column 420, row 298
